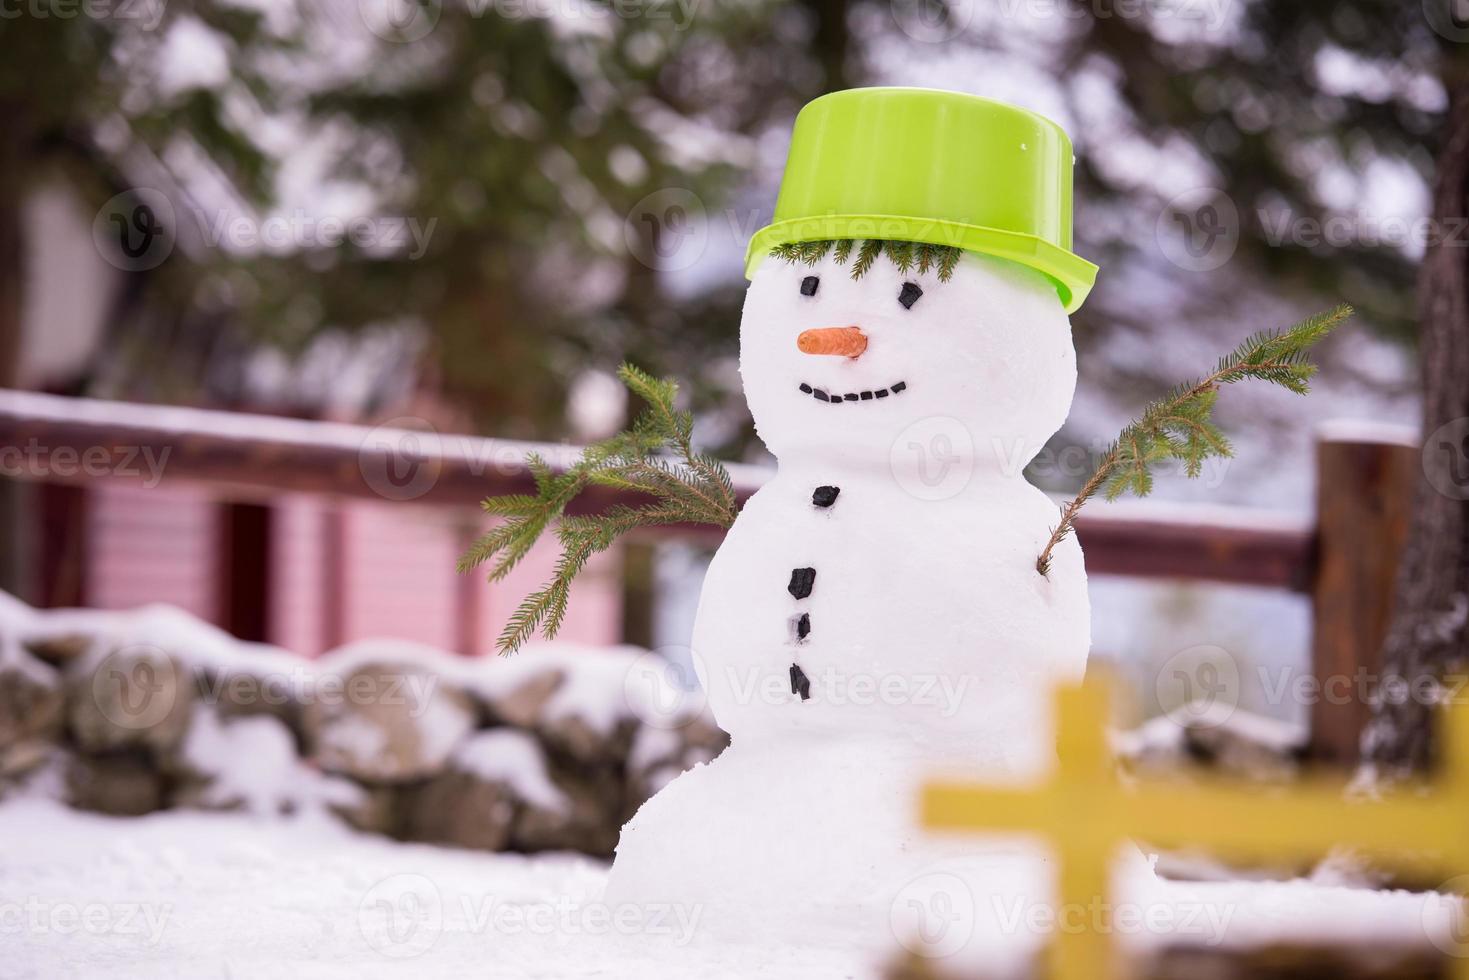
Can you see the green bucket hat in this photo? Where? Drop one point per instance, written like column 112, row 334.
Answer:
column 921, row 165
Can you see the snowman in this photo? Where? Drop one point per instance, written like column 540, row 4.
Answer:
column 875, row 616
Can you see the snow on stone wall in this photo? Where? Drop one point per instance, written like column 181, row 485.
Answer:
column 131, row 712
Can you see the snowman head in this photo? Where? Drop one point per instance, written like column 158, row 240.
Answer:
column 848, row 349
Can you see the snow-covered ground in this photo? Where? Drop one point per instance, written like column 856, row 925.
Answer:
column 189, row 894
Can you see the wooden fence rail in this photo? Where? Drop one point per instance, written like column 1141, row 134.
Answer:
column 1345, row 562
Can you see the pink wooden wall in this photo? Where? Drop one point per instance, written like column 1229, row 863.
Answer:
column 151, row 546
column 393, row 564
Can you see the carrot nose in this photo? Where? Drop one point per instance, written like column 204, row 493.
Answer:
column 838, row 341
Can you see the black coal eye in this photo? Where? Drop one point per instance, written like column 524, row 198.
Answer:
column 808, row 285
column 909, row 295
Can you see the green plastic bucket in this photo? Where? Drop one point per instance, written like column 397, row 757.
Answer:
column 923, row 165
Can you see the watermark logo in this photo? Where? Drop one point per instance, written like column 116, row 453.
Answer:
column 933, row 458
column 135, row 230
column 1362, row 230
column 402, row 458
column 943, row 694
column 1445, row 918
column 377, row 234
column 668, row 230
column 136, row 687
column 402, row 916
column 1199, row 687
column 1210, row 15
column 933, row 915
column 1446, row 459
column 931, row 21
column 1448, row 18
column 1199, row 229
column 413, row 690
column 39, row 462
column 566, row 917
column 146, row 14
column 34, row 916
column 662, row 688
column 400, row 21
column 1205, row 923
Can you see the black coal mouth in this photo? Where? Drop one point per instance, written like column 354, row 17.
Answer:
column 837, row 398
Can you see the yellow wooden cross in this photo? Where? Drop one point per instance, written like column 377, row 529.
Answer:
column 1086, row 815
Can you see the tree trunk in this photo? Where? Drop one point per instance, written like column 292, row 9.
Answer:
column 832, row 43
column 641, row 301
column 12, row 259
column 14, row 544
column 1428, row 638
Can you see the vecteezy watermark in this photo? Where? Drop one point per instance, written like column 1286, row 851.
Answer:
column 943, row 692
column 1199, row 687
column 146, row 14
column 1284, row 685
column 136, row 687
column 1201, row 922
column 1448, row 18
column 1446, row 459
column 1208, row 14
column 933, row 458
column 403, row 234
column 140, row 921
column 403, row 458
column 668, row 230
column 403, row 916
column 36, row 461
column 932, row 21
column 400, row 21
column 412, row 689
column 138, row 230
column 135, row 230
column 1198, row 230
column 1362, row 230
column 404, row 21
column 1202, row 686
column 933, row 915
column 1075, row 462
column 678, row 13
column 564, row 916
column 1445, row 917
column 662, row 688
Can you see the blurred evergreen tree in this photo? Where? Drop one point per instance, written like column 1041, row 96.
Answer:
column 1291, row 107
column 522, row 135
column 81, row 92
column 546, row 141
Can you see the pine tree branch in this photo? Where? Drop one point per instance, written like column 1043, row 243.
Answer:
column 1180, row 426
column 655, row 456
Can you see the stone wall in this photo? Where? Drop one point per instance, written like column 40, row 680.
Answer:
column 128, row 713
column 554, row 748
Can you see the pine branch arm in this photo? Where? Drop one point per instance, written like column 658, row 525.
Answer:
column 1180, row 426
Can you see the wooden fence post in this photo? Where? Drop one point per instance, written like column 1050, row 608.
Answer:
column 1363, row 494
